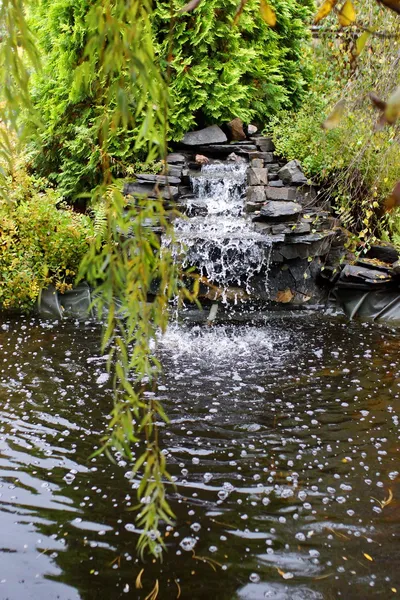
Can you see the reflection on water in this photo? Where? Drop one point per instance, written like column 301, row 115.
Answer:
column 283, row 445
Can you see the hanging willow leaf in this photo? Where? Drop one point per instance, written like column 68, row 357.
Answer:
column 189, row 6
column 392, row 110
column 324, row 10
column 392, row 4
column 361, row 41
column 334, row 118
column 347, row 14
column 267, row 13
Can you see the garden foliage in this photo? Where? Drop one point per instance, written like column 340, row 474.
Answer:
column 216, row 71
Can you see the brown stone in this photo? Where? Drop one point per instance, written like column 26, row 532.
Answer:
column 236, row 132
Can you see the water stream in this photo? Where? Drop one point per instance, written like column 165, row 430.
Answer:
column 283, row 444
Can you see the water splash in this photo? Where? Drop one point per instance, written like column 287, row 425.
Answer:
column 222, row 243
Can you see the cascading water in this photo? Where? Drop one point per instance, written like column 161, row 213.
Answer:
column 221, row 242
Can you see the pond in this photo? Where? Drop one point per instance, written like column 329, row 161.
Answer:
column 283, row 443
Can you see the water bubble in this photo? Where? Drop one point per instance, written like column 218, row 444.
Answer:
column 188, row 543
column 254, row 578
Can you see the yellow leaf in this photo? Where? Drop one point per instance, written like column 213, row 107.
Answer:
column 393, row 590
column 361, row 41
column 324, row 10
column 347, row 14
column 367, row 556
column 267, row 13
column 334, row 118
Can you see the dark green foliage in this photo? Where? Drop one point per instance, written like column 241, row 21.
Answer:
column 218, row 72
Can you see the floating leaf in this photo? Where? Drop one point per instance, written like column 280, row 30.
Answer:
column 347, row 14
column 189, row 6
column 284, row 296
column 361, row 41
column 333, row 120
column 267, row 13
column 368, row 557
column 324, row 10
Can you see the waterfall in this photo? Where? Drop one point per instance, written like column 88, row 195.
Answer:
column 221, row 242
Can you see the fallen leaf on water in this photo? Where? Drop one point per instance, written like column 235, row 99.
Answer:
column 347, row 14
column 368, row 557
column 284, row 296
column 386, row 501
column 267, row 13
column 334, row 118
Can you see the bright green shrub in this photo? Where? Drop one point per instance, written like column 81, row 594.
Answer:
column 41, row 244
column 217, row 72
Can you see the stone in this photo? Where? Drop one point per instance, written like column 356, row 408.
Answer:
column 279, row 210
column 292, row 174
column 383, row 251
column 363, row 276
column 235, row 129
column 223, row 150
column 149, row 190
column 396, row 267
column 265, row 144
column 175, row 171
column 280, row 193
column 275, row 183
column 291, row 229
column 200, row 159
column 257, row 163
column 232, row 157
column 257, row 176
column 176, row 159
column 251, row 129
column 273, row 167
column 255, row 194
column 306, row 194
column 288, row 251
column 160, row 179
column 267, row 157
column 209, row 135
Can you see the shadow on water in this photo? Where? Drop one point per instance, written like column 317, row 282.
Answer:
column 283, row 445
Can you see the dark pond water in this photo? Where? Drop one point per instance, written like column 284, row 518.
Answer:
column 284, row 443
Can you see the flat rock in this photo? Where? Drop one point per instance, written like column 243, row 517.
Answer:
column 265, row 144
column 176, row 159
column 292, row 173
column 257, row 163
column 256, row 176
column 275, row 183
column 209, row 135
column 291, row 229
column 279, row 210
column 384, row 252
column 160, row 179
column 267, row 157
column 280, row 193
column 149, row 190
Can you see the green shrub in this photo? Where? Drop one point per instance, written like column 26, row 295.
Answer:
column 41, row 244
column 217, row 72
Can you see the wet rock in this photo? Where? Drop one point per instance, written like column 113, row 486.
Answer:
column 396, row 267
column 276, row 183
column 150, row 191
column 176, row 159
column 256, row 176
column 280, row 193
column 383, row 251
column 306, row 194
column 175, row 171
column 232, row 157
column 255, row 194
column 292, row 174
column 279, row 210
column 267, row 157
column 209, row 135
column 223, row 150
column 235, row 129
column 296, row 248
column 291, row 229
column 160, row 179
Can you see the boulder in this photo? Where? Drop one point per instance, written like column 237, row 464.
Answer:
column 280, row 193
column 292, row 174
column 235, row 129
column 209, row 135
column 279, row 210
column 257, row 176
column 251, row 129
